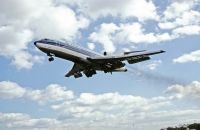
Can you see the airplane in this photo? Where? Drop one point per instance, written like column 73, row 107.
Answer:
column 89, row 62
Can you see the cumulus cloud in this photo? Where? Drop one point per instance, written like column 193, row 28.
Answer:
column 91, row 46
column 190, row 91
column 187, row 30
column 13, row 44
column 154, row 64
column 9, row 90
column 191, row 57
column 21, row 22
column 124, row 9
column 161, row 118
column 177, row 8
column 61, row 19
column 136, row 33
column 25, row 121
column 110, row 34
column 52, row 93
column 86, row 105
column 107, row 106
column 62, row 23
column 187, row 18
column 182, row 18
column 94, row 111
column 104, row 36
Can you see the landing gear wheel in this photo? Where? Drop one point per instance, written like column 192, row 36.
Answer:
column 51, row 59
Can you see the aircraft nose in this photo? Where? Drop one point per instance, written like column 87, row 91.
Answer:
column 35, row 43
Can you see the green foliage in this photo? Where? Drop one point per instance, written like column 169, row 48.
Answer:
column 194, row 126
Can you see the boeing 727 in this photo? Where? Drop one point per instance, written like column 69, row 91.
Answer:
column 87, row 61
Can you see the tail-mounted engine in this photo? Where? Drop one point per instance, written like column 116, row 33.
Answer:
column 140, row 59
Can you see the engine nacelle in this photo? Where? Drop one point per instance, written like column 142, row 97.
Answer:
column 138, row 60
column 104, row 53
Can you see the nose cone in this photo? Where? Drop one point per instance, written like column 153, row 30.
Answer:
column 35, row 43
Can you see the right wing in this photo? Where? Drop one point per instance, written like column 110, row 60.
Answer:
column 133, row 57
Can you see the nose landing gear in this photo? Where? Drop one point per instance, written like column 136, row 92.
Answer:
column 51, row 59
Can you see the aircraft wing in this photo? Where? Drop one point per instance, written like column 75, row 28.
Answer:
column 133, row 57
column 75, row 70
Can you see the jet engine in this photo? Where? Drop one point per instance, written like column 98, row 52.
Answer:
column 132, row 61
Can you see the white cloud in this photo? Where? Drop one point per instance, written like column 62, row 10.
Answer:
column 182, row 17
column 21, row 22
column 125, row 9
column 104, row 36
column 191, row 57
column 64, row 20
column 177, row 8
column 89, row 106
column 187, row 18
column 13, row 44
column 188, row 30
column 135, row 33
column 189, row 91
column 110, row 34
column 94, row 111
column 52, row 93
column 24, row 122
column 154, row 64
column 9, row 90
column 91, row 46
column 62, row 23
column 161, row 118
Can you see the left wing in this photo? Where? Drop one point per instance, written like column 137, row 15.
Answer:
column 131, row 58
column 76, row 69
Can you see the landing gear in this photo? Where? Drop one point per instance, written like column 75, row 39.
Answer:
column 51, row 59
column 89, row 73
column 78, row 75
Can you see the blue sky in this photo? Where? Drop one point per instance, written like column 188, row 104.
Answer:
column 164, row 91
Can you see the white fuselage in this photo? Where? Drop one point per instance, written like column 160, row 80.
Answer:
column 73, row 53
column 65, row 53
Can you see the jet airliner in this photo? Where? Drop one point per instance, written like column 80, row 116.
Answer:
column 89, row 62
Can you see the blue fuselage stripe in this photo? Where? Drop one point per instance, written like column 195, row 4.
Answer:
column 73, row 48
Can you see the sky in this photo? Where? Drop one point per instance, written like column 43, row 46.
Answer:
column 161, row 92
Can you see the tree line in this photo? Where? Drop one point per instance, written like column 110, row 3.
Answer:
column 194, row 126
